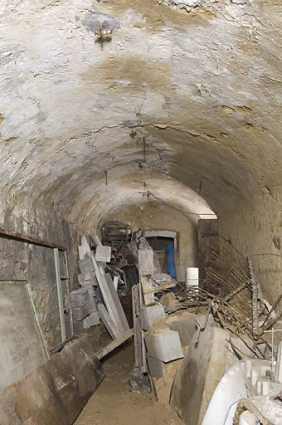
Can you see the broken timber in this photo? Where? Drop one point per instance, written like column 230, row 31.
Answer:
column 114, row 344
column 112, row 313
column 57, row 390
column 147, row 290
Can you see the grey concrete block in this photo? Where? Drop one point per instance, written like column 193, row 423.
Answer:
column 86, row 265
column 79, row 298
column 87, row 279
column 156, row 367
column 103, row 253
column 185, row 324
column 92, row 320
column 150, row 315
column 92, row 299
column 78, row 327
column 164, row 344
column 79, row 313
column 146, row 264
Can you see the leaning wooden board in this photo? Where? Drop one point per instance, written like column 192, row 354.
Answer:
column 114, row 344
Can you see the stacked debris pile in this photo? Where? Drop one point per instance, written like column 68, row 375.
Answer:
column 232, row 370
column 108, row 271
column 236, row 302
column 206, row 347
column 156, row 345
column 97, row 298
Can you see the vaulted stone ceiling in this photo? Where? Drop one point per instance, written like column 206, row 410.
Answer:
column 184, row 94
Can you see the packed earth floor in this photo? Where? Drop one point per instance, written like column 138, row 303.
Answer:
column 114, row 404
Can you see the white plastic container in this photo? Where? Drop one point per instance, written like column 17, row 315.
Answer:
column 192, row 276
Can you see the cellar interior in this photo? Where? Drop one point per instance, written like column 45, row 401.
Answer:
column 157, row 115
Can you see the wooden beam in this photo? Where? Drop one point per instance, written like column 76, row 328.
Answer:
column 114, row 344
column 147, row 287
column 29, row 239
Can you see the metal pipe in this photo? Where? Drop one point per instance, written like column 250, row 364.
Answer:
column 30, row 239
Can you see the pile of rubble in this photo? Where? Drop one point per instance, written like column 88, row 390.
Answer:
column 206, row 349
column 97, row 297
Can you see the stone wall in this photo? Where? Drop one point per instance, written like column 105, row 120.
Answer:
column 255, row 229
column 154, row 215
column 35, row 264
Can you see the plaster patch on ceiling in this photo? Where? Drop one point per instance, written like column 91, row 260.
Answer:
column 190, row 5
column 187, row 4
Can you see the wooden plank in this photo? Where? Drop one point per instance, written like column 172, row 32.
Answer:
column 84, row 248
column 118, row 306
column 115, row 282
column 110, row 297
column 103, row 285
column 147, row 287
column 57, row 390
column 59, row 294
column 114, row 344
column 30, row 239
column 108, row 322
column 109, row 294
column 161, row 287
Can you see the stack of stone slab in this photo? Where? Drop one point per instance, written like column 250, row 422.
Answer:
column 84, row 309
column 87, row 276
column 103, row 299
column 163, row 345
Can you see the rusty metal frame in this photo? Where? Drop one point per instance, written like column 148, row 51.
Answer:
column 29, row 239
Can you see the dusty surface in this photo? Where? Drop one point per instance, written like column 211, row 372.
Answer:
column 114, row 404
column 57, row 390
column 160, row 216
column 179, row 107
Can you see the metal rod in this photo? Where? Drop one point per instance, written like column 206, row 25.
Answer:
column 69, row 291
column 28, row 287
column 255, row 315
column 30, row 239
column 272, row 353
column 59, row 293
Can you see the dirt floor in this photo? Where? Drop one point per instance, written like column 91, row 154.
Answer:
column 114, row 404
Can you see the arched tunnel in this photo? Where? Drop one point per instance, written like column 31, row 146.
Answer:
column 153, row 113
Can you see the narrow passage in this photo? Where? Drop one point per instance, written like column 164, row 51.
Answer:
column 114, row 404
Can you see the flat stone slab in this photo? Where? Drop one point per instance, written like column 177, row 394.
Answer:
column 103, row 253
column 79, row 313
column 92, row 320
column 164, row 344
column 156, row 367
column 185, row 324
column 55, row 392
column 86, row 265
column 79, row 297
column 200, row 372
column 146, row 264
column 150, row 315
